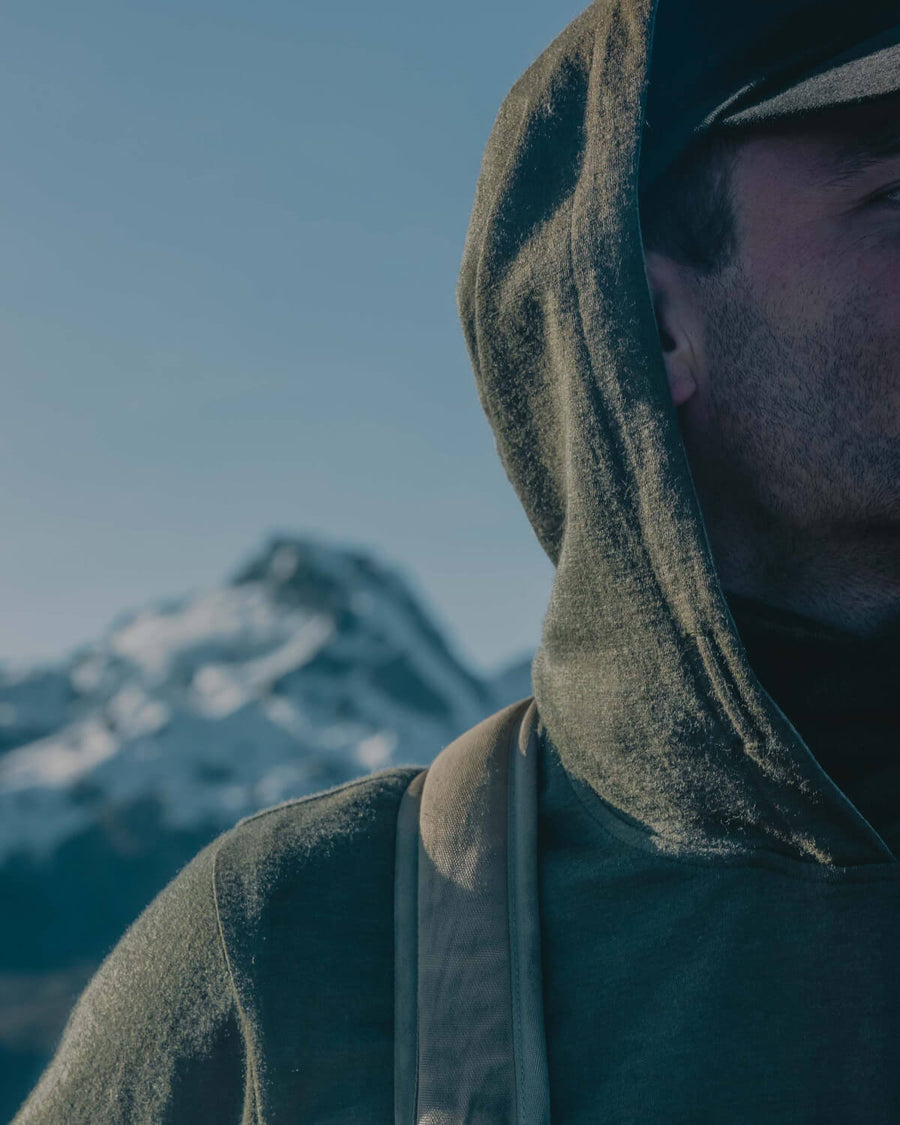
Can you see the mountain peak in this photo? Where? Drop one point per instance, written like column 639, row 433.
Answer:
column 307, row 571
column 315, row 664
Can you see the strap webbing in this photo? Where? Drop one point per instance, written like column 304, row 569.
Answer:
column 406, row 923
column 469, row 1030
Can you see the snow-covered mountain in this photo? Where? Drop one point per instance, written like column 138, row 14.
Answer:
column 316, row 664
column 313, row 666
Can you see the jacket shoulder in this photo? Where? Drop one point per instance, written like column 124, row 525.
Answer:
column 156, row 1034
column 305, row 897
column 296, row 840
column 296, row 865
column 171, row 1026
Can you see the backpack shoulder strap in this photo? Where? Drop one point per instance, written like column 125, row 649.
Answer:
column 469, row 1029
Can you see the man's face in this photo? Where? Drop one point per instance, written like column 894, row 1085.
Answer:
column 795, row 420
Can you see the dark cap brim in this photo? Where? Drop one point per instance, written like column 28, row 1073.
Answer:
column 869, row 71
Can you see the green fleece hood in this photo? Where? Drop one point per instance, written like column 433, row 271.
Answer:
column 641, row 680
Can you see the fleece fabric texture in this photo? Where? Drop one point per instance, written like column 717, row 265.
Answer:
column 688, row 988
column 641, row 678
column 257, row 988
column 703, row 989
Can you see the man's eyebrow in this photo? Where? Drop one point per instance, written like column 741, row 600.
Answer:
column 858, row 154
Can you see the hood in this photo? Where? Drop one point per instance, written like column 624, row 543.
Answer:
column 641, row 679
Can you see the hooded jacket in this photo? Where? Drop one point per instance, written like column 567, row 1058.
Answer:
column 718, row 919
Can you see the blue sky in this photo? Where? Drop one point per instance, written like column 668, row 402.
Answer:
column 230, row 237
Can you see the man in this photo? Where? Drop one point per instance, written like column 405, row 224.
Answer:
column 715, row 892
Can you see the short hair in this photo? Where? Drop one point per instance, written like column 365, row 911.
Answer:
column 687, row 213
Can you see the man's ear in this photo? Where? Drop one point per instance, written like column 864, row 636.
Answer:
column 674, row 302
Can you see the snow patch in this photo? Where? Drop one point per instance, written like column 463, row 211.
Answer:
column 219, row 705
column 58, row 761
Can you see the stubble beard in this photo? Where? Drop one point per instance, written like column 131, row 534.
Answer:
column 797, row 460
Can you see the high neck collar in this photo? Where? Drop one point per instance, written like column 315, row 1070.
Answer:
column 839, row 690
column 814, row 668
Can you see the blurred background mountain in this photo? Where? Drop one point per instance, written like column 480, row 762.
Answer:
column 314, row 665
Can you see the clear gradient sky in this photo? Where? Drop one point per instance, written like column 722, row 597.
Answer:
column 230, row 237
